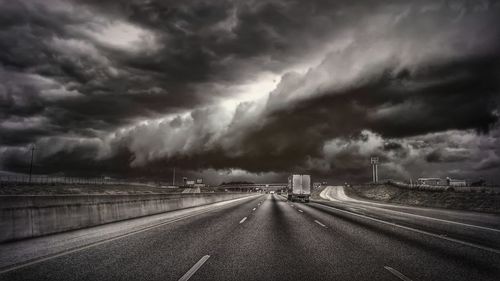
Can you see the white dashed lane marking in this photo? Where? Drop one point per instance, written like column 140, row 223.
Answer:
column 318, row 222
column 195, row 268
column 397, row 273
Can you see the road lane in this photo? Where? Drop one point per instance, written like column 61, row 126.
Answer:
column 471, row 227
column 336, row 194
column 274, row 242
column 279, row 243
column 162, row 253
column 44, row 247
column 418, row 255
column 421, row 229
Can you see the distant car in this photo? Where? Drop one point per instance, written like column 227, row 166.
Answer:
column 272, row 191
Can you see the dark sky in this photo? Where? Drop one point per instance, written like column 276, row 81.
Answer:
column 251, row 89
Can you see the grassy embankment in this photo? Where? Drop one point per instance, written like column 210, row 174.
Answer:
column 472, row 201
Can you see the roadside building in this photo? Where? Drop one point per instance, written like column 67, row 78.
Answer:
column 455, row 182
column 441, row 182
column 199, row 183
column 430, row 181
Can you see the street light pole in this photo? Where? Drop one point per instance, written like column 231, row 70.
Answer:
column 374, row 162
column 31, row 162
column 173, row 178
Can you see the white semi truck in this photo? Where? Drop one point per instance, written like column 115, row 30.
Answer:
column 299, row 187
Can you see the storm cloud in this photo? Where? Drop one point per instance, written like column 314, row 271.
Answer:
column 252, row 87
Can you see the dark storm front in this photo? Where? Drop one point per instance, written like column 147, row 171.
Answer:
column 250, row 91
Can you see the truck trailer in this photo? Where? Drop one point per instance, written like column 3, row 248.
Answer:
column 299, row 187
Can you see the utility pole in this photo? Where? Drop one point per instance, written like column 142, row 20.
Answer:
column 31, row 162
column 173, row 178
column 374, row 162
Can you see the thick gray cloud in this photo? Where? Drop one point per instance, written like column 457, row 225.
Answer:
column 136, row 87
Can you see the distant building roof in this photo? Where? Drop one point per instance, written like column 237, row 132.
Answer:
column 455, row 179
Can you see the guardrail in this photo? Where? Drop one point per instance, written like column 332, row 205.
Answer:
column 30, row 216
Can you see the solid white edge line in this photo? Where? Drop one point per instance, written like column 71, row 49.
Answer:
column 431, row 218
column 318, row 222
column 77, row 249
column 397, row 273
column 195, row 268
column 243, row 220
column 496, row 251
column 365, row 204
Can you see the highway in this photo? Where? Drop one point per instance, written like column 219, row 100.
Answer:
column 265, row 237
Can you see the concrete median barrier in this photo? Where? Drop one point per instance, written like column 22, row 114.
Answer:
column 31, row 216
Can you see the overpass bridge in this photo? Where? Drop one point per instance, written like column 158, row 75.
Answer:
column 253, row 186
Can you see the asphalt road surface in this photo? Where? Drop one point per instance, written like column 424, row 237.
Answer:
column 263, row 238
